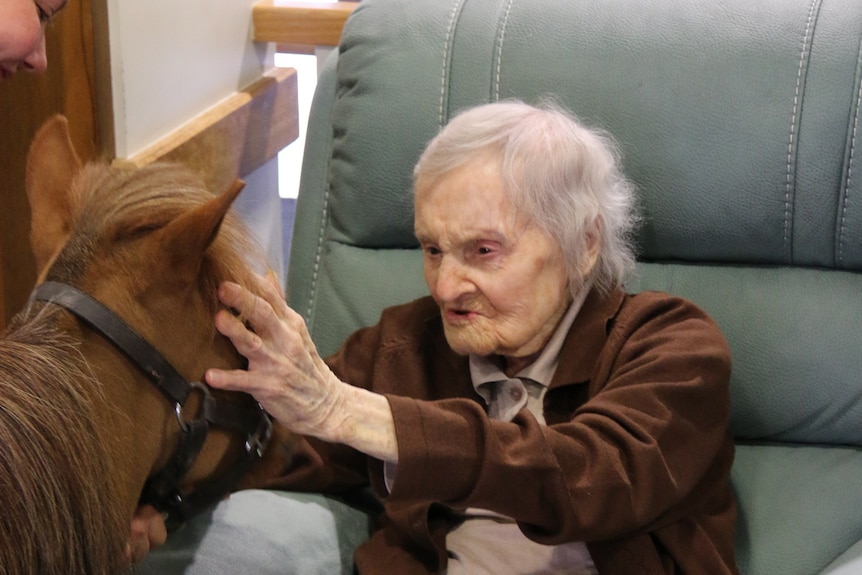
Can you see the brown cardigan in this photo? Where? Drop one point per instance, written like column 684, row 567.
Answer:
column 634, row 460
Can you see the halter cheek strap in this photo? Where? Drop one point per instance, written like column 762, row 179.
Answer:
column 162, row 490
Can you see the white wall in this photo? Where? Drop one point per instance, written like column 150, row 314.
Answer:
column 290, row 158
column 173, row 59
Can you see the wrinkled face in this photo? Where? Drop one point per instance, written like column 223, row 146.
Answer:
column 499, row 280
column 22, row 34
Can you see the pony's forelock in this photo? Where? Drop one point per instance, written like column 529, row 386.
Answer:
column 155, row 195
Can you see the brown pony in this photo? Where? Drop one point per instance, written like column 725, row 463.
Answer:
column 81, row 427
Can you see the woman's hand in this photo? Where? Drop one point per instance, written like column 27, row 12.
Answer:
column 291, row 381
column 285, row 373
column 148, row 532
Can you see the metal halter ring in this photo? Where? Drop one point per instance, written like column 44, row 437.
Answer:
column 178, row 407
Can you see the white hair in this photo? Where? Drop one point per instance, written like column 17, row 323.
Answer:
column 562, row 176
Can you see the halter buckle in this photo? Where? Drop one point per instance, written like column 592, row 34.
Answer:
column 178, row 406
column 257, row 441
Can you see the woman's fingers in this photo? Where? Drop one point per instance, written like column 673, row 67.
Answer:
column 272, row 279
column 244, row 340
column 269, row 316
column 267, row 285
column 285, row 373
column 265, row 313
column 249, row 306
column 148, row 531
column 235, row 380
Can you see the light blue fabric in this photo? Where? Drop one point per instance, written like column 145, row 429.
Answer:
column 264, row 532
column 849, row 563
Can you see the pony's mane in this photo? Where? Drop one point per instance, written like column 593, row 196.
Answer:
column 54, row 475
column 58, row 514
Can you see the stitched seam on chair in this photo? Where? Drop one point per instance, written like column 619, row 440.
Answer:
column 499, row 56
column 321, row 234
column 789, row 190
column 447, row 51
column 842, row 227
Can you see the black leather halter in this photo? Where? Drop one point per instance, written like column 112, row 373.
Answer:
column 163, row 489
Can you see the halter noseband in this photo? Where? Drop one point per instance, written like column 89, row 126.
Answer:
column 163, row 489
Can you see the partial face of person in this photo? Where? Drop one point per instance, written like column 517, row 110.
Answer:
column 500, row 280
column 22, row 34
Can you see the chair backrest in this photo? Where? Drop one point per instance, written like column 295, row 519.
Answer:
column 738, row 121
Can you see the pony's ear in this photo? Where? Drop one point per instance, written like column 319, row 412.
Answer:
column 51, row 165
column 184, row 240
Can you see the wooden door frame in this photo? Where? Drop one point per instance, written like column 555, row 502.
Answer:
column 77, row 84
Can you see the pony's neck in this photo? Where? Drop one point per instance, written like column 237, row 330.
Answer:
column 136, row 419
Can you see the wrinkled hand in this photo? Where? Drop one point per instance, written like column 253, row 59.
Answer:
column 148, row 532
column 285, row 373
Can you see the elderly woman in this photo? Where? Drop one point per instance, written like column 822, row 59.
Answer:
column 22, row 34
column 529, row 416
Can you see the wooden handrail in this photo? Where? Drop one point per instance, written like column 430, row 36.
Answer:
column 300, row 23
column 234, row 137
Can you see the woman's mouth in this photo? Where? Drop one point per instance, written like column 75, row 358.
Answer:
column 456, row 316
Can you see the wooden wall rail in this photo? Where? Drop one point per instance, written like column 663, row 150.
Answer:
column 227, row 141
column 235, row 137
column 297, row 24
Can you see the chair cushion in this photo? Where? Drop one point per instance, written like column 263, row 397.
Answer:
column 798, row 507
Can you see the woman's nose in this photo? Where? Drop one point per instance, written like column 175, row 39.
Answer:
column 452, row 281
column 37, row 60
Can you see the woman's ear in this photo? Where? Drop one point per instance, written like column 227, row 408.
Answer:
column 593, row 243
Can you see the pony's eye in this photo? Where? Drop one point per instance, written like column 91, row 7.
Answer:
column 136, row 232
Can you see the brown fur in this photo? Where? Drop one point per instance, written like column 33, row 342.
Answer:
column 80, row 428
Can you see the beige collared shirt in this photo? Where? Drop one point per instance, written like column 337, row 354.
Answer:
column 487, row 542
column 506, row 396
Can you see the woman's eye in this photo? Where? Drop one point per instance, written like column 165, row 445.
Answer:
column 485, row 250
column 432, row 250
column 46, row 14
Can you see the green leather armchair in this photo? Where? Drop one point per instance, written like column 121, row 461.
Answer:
column 739, row 123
